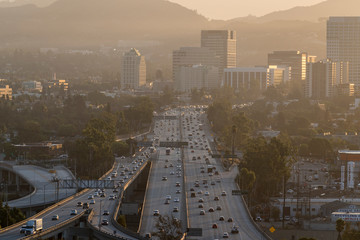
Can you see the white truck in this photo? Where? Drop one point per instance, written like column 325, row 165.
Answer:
column 34, row 226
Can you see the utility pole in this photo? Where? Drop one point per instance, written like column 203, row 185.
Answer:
column 284, row 199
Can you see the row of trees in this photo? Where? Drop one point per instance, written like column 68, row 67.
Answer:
column 9, row 216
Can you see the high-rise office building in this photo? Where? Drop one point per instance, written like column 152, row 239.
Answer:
column 295, row 59
column 133, row 74
column 197, row 77
column 324, row 78
column 223, row 42
column 190, row 56
column 343, row 44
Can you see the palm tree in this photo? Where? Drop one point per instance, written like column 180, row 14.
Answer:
column 340, row 225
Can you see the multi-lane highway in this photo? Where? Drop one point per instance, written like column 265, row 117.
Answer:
column 207, row 187
column 64, row 211
column 164, row 195
column 210, row 203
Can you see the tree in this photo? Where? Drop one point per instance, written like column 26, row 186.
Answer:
column 168, row 228
column 340, row 225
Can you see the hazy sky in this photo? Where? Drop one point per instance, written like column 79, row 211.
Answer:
column 228, row 9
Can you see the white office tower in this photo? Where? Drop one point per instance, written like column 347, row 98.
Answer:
column 343, row 44
column 196, row 77
column 350, row 174
column 342, row 178
column 133, row 74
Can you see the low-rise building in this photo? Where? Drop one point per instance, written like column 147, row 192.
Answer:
column 6, row 92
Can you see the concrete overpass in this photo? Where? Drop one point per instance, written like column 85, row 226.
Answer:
column 45, row 190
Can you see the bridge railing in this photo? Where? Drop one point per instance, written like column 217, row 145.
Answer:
column 53, row 228
column 16, row 225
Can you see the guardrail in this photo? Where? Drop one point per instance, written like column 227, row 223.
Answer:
column 51, row 229
column 116, row 211
column 251, row 219
column 144, row 201
column 51, row 207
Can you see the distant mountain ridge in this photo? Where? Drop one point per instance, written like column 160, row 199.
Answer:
column 17, row 3
column 91, row 23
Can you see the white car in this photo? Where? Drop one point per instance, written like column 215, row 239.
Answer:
column 176, row 199
column 168, row 197
column 90, row 197
column 156, row 212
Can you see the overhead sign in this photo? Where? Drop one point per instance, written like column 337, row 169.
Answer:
column 94, row 184
column 239, row 192
column 173, row 144
column 196, row 232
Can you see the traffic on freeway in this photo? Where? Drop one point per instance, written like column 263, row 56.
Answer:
column 164, row 194
column 211, row 206
column 93, row 198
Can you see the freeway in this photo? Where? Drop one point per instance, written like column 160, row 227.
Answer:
column 203, row 210
column 41, row 179
column 64, row 210
column 165, row 188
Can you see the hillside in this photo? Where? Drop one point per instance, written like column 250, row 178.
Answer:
column 17, row 3
column 92, row 22
column 318, row 12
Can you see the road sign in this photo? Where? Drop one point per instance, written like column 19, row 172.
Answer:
column 197, row 232
column 239, row 192
column 272, row 229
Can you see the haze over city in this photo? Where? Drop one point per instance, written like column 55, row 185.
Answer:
column 180, row 120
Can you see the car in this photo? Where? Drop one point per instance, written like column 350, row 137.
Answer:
column 168, row 197
column 202, row 212
column 166, row 166
column 207, row 194
column 223, row 193
column 216, row 198
column 106, row 212
column 176, row 209
column 115, row 190
column 167, row 201
column 176, row 199
column 104, row 222
column 111, row 197
column 131, row 173
column 108, row 178
column 171, row 165
column 177, row 184
column 156, row 213
column 235, row 229
column 201, row 205
column 199, row 192
column 92, row 201
column 221, row 218
column 79, row 204
column 201, row 200
column 214, row 225
column 258, row 219
column 202, row 171
column 287, row 218
column 211, row 209
column 166, row 160
column 73, row 212
column 121, row 181
column 164, row 178
column 55, row 217
column 90, row 197
column 85, row 205
column 192, row 190
column 212, row 183
column 102, row 195
column 218, row 207
column 178, row 191
column 225, row 235
column 172, row 173
column 230, row 219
